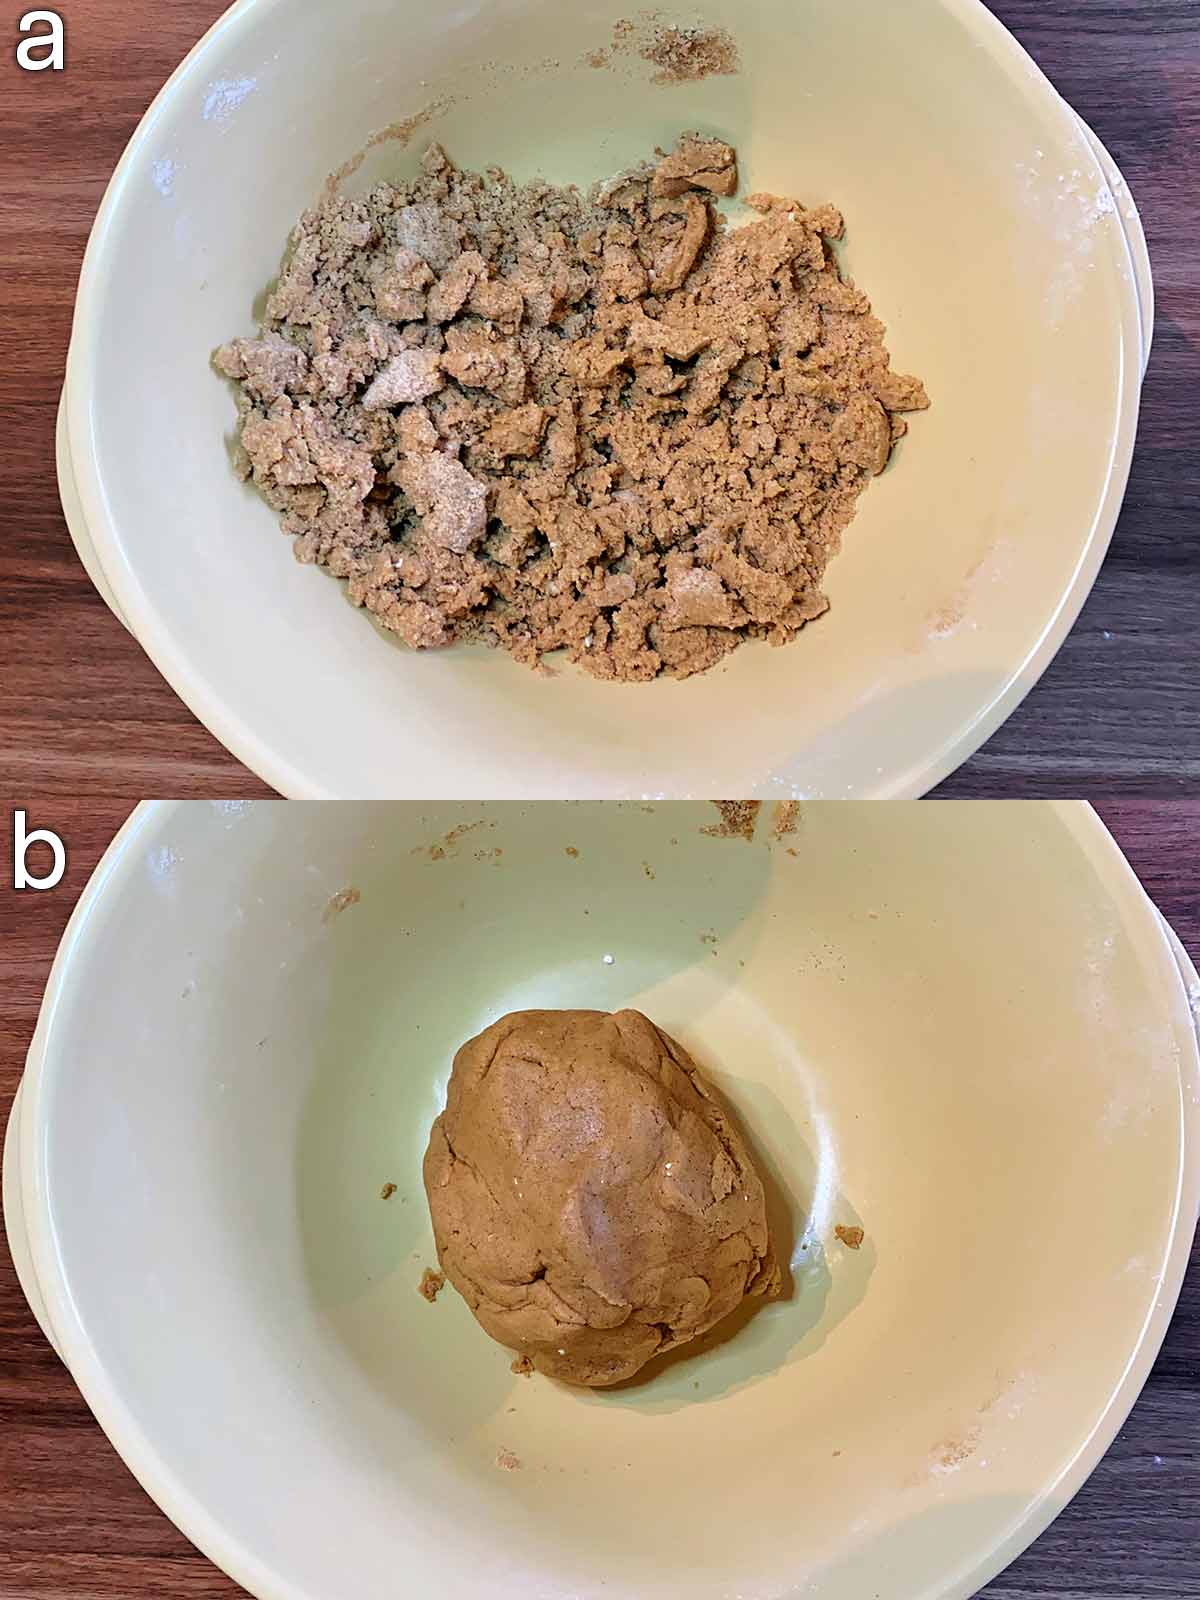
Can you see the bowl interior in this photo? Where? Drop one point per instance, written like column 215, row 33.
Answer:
column 977, row 220
column 957, row 1028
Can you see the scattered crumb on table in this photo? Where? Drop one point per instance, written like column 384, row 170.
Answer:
column 387, row 1191
column 506, row 1461
column 572, row 852
column 852, row 1238
column 523, row 1367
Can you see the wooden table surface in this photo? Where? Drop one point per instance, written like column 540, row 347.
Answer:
column 75, row 1526
column 83, row 712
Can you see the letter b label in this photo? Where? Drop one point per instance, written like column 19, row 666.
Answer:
column 23, row 878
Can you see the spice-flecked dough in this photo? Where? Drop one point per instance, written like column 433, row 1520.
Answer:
column 591, row 1201
column 606, row 424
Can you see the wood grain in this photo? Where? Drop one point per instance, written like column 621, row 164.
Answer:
column 1117, row 711
column 75, row 1526
column 82, row 710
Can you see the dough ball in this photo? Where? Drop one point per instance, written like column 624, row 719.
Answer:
column 591, row 1201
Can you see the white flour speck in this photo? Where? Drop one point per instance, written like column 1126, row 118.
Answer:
column 163, row 172
column 163, row 861
column 225, row 96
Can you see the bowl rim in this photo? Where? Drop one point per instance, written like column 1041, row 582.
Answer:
column 1154, row 939
column 185, row 675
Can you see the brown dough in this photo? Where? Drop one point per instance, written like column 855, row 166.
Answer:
column 606, row 424
column 591, row 1201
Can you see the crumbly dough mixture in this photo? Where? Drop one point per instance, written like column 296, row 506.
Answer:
column 605, row 424
column 590, row 1200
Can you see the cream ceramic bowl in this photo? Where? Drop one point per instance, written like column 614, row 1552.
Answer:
column 961, row 1029
column 994, row 236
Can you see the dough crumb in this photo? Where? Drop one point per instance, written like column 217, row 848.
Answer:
column 605, row 424
column 952, row 1453
column 447, row 845
column 431, row 1284
column 786, row 819
column 506, row 1461
column 852, row 1238
column 387, row 1191
column 683, row 55
column 400, row 133
column 572, row 852
column 738, row 820
column 523, row 1367
column 339, row 902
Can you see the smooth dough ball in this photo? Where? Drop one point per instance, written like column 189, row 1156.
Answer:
column 591, row 1201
